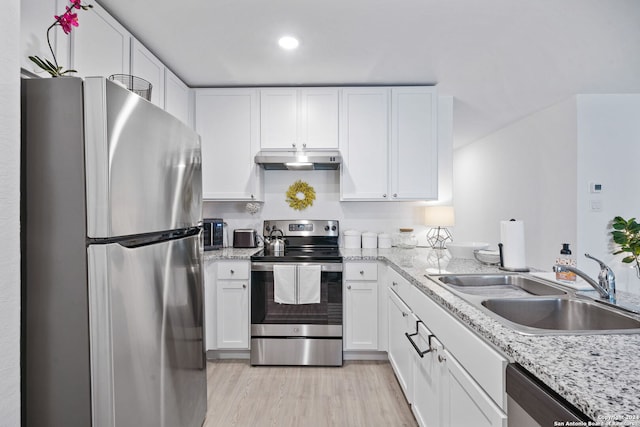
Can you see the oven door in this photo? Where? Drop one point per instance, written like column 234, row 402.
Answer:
column 272, row 319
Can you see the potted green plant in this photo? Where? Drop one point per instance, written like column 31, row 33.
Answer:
column 626, row 233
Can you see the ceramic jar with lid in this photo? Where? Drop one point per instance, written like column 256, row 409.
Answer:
column 369, row 240
column 406, row 239
column 352, row 239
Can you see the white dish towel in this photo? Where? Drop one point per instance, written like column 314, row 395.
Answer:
column 309, row 284
column 284, row 284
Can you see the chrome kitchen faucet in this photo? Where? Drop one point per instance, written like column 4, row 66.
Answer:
column 607, row 280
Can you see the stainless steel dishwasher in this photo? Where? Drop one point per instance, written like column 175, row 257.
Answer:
column 530, row 403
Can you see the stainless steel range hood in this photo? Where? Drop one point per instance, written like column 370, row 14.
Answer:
column 299, row 160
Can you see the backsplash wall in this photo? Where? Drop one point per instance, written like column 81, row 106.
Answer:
column 378, row 217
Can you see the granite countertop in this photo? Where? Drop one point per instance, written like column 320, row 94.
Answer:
column 599, row 374
column 230, row 253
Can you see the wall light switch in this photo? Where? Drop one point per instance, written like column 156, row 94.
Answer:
column 595, row 187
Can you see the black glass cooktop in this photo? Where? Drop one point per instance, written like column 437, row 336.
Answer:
column 301, row 255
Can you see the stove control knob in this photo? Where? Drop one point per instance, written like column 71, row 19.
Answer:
column 326, row 228
column 333, row 228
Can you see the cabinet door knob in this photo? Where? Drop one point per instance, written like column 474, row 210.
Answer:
column 404, row 314
column 244, row 286
column 304, row 145
column 231, row 271
column 293, row 145
column 253, row 197
column 394, row 284
column 395, row 195
column 442, row 358
column 361, row 272
column 349, row 287
column 384, row 195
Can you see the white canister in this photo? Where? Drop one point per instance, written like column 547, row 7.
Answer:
column 384, row 241
column 369, row 240
column 352, row 239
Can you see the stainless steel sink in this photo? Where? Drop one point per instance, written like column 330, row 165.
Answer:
column 561, row 314
column 503, row 285
column 532, row 306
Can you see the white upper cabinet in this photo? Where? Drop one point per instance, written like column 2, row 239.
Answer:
column 178, row 98
column 227, row 121
column 145, row 65
column 414, row 143
column 299, row 118
column 364, row 143
column 319, row 118
column 278, row 118
column 389, row 143
column 100, row 46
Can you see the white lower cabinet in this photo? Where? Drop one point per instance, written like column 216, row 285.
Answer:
column 428, row 372
column 233, row 314
column 465, row 403
column 401, row 321
column 444, row 394
column 361, row 306
column 449, row 375
column 227, row 305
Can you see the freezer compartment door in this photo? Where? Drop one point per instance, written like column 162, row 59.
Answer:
column 143, row 166
column 146, row 322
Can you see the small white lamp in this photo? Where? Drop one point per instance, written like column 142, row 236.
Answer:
column 438, row 218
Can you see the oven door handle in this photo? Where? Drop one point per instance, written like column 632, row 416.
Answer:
column 324, row 266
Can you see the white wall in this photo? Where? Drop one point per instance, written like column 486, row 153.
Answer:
column 362, row 216
column 539, row 169
column 10, row 214
column 378, row 217
column 609, row 154
column 525, row 171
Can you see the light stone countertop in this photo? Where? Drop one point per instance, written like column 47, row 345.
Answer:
column 599, row 374
column 230, row 254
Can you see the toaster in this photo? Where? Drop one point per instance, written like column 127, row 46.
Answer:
column 244, row 238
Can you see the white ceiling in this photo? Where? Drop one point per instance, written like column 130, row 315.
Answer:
column 500, row 59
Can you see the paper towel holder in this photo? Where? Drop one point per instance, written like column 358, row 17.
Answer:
column 503, row 268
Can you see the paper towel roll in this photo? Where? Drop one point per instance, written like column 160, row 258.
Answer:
column 512, row 239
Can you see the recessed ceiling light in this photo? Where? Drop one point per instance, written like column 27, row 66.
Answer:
column 288, row 42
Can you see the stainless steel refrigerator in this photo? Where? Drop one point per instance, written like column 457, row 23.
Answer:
column 112, row 317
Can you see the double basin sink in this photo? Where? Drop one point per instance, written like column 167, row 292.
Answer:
column 532, row 306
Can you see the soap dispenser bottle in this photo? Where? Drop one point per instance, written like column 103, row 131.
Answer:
column 565, row 258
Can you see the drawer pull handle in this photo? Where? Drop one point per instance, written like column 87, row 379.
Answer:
column 361, row 271
column 421, row 353
column 394, row 283
column 349, row 287
column 404, row 314
column 244, row 286
column 442, row 358
column 231, row 271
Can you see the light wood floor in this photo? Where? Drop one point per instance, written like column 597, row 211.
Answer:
column 363, row 394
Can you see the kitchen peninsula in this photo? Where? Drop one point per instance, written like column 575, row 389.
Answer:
column 596, row 373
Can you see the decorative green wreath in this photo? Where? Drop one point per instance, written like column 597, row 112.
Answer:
column 300, row 195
